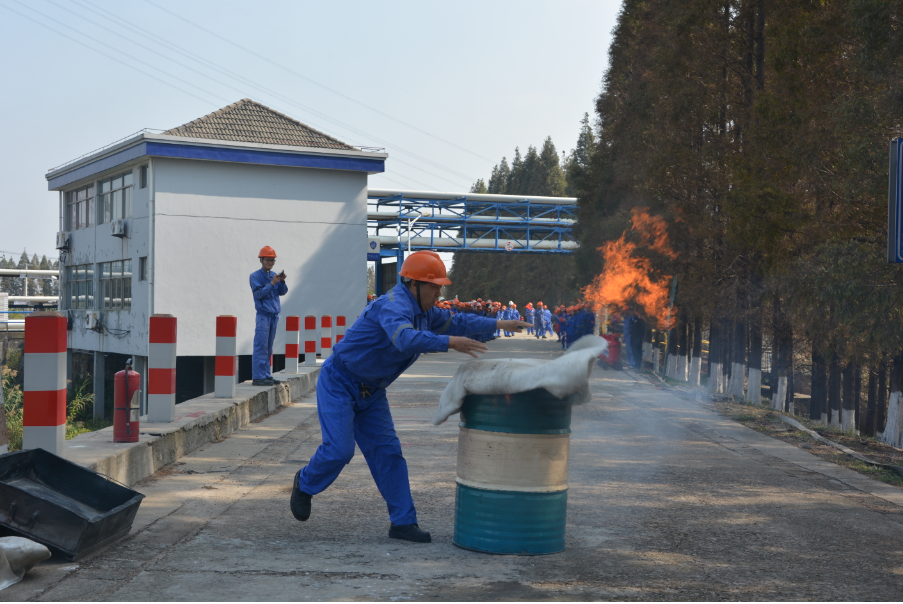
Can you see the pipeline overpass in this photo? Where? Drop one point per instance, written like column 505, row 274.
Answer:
column 399, row 220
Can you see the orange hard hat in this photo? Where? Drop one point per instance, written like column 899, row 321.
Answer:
column 425, row 265
column 267, row 252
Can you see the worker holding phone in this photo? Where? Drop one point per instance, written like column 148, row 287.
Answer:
column 267, row 286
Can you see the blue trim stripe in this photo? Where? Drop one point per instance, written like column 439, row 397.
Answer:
column 101, row 165
column 244, row 156
column 272, row 158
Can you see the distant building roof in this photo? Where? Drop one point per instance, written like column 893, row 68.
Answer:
column 250, row 122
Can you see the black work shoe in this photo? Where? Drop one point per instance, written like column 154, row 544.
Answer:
column 409, row 532
column 276, row 382
column 300, row 503
column 261, row 382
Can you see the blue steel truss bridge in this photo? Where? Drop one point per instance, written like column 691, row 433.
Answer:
column 453, row 222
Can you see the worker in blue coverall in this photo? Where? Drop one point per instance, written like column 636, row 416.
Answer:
column 351, row 388
column 546, row 321
column 267, row 286
column 528, row 317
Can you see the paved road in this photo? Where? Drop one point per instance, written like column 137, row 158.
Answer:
column 667, row 501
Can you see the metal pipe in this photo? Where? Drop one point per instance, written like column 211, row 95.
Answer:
column 34, row 298
column 479, row 243
column 15, row 272
column 412, row 195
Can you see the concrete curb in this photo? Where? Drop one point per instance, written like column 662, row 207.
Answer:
column 838, row 446
column 199, row 421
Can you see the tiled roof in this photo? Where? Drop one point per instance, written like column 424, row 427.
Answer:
column 250, row 122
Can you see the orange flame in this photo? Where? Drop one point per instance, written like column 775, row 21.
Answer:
column 629, row 279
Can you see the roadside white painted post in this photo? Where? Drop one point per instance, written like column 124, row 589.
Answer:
column 339, row 328
column 292, row 333
column 271, row 364
column 44, row 398
column 226, row 360
column 161, row 369
column 310, row 340
column 325, row 336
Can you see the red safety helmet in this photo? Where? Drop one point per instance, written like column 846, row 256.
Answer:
column 267, row 252
column 425, row 265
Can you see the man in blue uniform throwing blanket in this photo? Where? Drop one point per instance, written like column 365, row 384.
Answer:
column 351, row 389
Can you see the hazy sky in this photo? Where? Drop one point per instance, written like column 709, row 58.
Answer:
column 446, row 88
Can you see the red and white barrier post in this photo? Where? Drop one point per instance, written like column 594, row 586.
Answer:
column 44, row 399
column 292, row 333
column 310, row 340
column 339, row 328
column 325, row 336
column 161, row 369
column 226, row 369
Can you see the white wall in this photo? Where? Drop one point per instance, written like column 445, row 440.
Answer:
column 95, row 244
column 212, row 218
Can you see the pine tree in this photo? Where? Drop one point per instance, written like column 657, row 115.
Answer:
column 478, row 187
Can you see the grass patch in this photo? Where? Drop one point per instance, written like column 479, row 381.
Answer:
column 79, row 404
column 765, row 420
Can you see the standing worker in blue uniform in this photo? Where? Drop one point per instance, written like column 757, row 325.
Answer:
column 267, row 286
column 351, row 389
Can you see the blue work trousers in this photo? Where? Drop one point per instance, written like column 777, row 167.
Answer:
column 264, row 335
column 347, row 417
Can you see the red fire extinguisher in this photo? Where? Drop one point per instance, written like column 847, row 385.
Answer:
column 125, row 405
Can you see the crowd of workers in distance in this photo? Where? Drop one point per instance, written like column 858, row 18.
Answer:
column 568, row 323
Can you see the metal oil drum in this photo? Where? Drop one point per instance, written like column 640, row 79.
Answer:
column 512, row 473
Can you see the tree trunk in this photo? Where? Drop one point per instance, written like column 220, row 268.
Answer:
column 737, row 384
column 848, row 411
column 893, row 431
column 857, row 396
column 834, row 381
column 696, row 360
column 817, row 407
column 671, row 354
column 714, row 355
column 868, row 427
column 881, row 405
column 754, row 387
column 4, row 436
column 683, row 364
column 782, row 358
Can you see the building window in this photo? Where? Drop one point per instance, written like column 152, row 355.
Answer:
column 115, row 198
column 80, row 207
column 80, row 283
column 142, row 177
column 116, row 285
column 142, row 268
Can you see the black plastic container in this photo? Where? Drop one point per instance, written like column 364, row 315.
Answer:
column 68, row 508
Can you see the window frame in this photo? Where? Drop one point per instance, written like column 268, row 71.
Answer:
column 115, row 284
column 79, row 212
column 114, row 197
column 80, row 287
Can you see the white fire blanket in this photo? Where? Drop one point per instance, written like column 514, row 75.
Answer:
column 568, row 374
column 18, row 556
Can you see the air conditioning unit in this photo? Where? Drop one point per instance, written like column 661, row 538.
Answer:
column 119, row 228
column 92, row 320
column 62, row 241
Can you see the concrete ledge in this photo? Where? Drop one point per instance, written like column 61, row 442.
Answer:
column 199, row 421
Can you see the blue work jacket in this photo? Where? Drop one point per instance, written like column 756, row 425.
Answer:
column 266, row 295
column 392, row 332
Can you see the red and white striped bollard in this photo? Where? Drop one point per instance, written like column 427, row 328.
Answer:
column 325, row 336
column 292, row 333
column 310, row 340
column 226, row 369
column 161, row 369
column 339, row 328
column 44, row 399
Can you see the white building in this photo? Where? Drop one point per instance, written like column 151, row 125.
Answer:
column 172, row 223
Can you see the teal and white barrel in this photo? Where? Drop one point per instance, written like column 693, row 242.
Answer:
column 512, row 473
